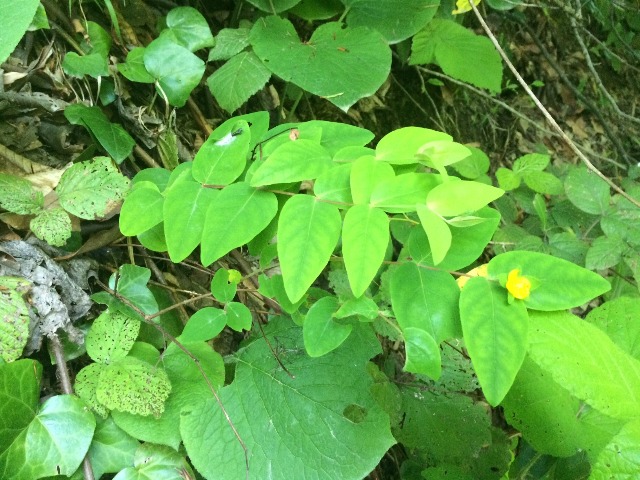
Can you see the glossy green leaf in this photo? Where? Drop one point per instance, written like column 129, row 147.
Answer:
column 308, row 231
column 111, row 336
column 185, row 212
column 292, row 162
column 52, row 225
column 396, row 21
column 222, row 288
column 363, row 307
column 437, row 231
column 459, row 52
column 586, row 362
column 235, row 217
column 333, row 185
column 401, row 194
column 19, row 394
column 111, row 136
column 154, row 239
column 17, row 16
column 142, row 209
column 175, row 68
column 222, row 158
column 237, row 80
column 423, row 353
column 556, row 284
column 133, row 68
column 111, row 449
column 587, row 191
column 325, row 439
column 321, row 333
column 365, row 236
column 400, row 146
column 17, row 195
column 318, row 65
column 495, row 333
column 459, row 197
column 366, row 174
column 229, row 42
column 204, row 325
column 238, row 316
column 190, row 28
column 427, row 300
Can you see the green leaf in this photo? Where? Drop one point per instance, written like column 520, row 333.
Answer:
column 185, row 212
column 91, row 189
column 111, row 336
column 363, row 307
column 94, row 62
column 235, row 217
column 559, row 284
column 440, row 153
column 86, row 384
column 401, row 194
column 333, row 185
column 237, row 80
column 396, row 21
column 605, row 252
column 133, row 69
column 293, row 161
column 427, row 300
column 459, row 197
column 321, row 400
column 133, row 386
column 111, row 449
column 475, row 166
column 53, row 226
column 308, row 231
column 423, row 353
column 586, row 362
column 587, row 191
column 401, row 146
column 142, row 209
column 530, row 163
column 156, row 462
column 18, row 195
column 132, row 284
column 318, row 66
column 544, row 182
column 19, row 395
column 229, row 42
column 189, row 28
column 366, row 174
column 507, row 179
column 617, row 318
column 176, row 69
column 621, row 457
column 437, row 231
column 14, row 329
column 495, row 333
column 204, row 325
column 365, row 236
column 321, row 333
column 222, row 158
column 17, row 16
column 459, row 52
column 274, row 6
column 238, row 316
column 337, row 135
column 222, row 288
column 111, row 136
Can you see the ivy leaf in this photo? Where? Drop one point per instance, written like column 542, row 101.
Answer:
column 18, row 195
column 111, row 336
column 459, row 52
column 133, row 68
column 321, row 333
column 111, row 449
column 495, row 333
column 189, row 28
column 111, row 136
column 237, row 80
column 308, row 231
column 338, row 429
column 318, row 65
column 92, row 189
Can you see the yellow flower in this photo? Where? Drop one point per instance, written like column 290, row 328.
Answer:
column 480, row 271
column 518, row 286
column 463, row 6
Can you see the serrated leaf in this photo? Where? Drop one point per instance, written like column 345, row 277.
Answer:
column 237, row 80
column 111, row 336
column 618, row 319
column 190, row 28
column 142, row 209
column 177, row 70
column 544, row 182
column 318, row 65
column 587, row 191
column 507, row 179
column 531, row 162
column 321, row 333
column 423, row 353
column 559, row 284
column 133, row 386
column 229, row 42
column 323, row 398
column 495, row 333
column 111, row 136
column 234, row 218
column 14, row 328
column 308, row 231
column 91, row 189
column 18, row 195
column 586, row 362
column 53, row 226
column 365, row 237
column 605, row 252
column 459, row 52
column 458, row 197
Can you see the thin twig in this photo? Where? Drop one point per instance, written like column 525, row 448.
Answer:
column 545, row 112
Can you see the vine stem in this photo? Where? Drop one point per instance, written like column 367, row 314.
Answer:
column 148, row 319
column 544, row 110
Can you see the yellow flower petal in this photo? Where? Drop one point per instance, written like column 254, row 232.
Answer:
column 480, row 271
column 518, row 286
column 464, row 6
